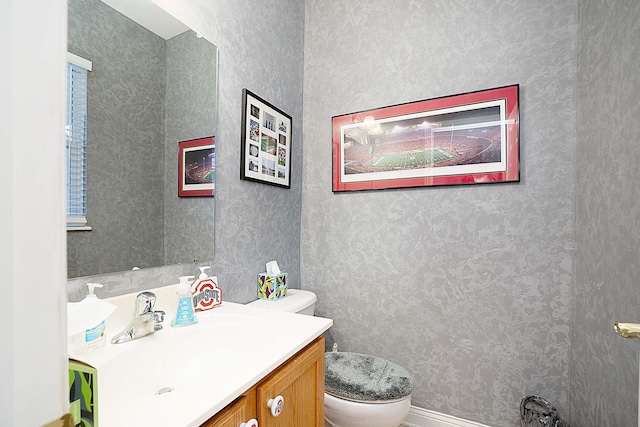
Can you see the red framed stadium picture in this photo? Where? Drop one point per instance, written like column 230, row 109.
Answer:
column 469, row 138
column 197, row 167
column 265, row 154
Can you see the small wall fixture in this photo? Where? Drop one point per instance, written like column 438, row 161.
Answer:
column 627, row 330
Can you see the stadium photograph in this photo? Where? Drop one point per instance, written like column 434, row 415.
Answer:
column 200, row 166
column 462, row 138
column 197, row 167
column 463, row 143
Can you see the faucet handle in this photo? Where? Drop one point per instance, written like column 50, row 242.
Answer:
column 158, row 316
column 144, row 303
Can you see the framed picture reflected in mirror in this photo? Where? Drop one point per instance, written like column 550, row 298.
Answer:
column 197, row 167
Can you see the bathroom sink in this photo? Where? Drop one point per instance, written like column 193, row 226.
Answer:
column 175, row 359
column 183, row 376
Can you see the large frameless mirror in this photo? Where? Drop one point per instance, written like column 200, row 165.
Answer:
column 149, row 89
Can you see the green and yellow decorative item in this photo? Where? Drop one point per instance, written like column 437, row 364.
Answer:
column 83, row 394
column 272, row 284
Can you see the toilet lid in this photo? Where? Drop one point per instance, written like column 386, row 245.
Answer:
column 364, row 378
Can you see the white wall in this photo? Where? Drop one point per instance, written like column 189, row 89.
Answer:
column 33, row 363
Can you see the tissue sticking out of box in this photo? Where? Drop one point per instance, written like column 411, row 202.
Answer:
column 272, row 267
column 86, row 314
column 272, row 284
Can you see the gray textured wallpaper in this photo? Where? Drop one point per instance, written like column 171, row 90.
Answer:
column 469, row 287
column 604, row 366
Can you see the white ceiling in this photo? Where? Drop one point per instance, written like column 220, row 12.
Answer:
column 150, row 16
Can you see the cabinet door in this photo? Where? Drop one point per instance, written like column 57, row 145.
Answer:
column 300, row 381
column 236, row 413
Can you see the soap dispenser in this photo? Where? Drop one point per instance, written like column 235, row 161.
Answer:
column 205, row 291
column 94, row 337
column 185, row 315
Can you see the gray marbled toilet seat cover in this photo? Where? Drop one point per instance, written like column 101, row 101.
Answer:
column 364, row 378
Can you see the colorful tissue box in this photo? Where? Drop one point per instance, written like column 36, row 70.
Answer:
column 272, row 286
column 83, row 394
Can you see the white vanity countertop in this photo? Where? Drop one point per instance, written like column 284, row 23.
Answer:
column 207, row 365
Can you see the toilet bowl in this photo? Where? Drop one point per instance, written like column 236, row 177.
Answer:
column 360, row 390
column 344, row 413
column 365, row 391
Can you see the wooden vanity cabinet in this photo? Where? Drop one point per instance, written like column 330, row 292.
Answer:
column 299, row 380
column 239, row 411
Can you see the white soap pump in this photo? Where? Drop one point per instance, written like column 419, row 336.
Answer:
column 203, row 275
column 93, row 338
column 92, row 287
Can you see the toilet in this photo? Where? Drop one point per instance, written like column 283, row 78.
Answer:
column 360, row 390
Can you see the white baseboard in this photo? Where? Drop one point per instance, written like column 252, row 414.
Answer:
column 419, row 417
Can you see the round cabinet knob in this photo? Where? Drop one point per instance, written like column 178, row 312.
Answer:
column 276, row 405
column 251, row 423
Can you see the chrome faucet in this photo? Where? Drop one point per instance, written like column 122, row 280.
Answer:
column 145, row 321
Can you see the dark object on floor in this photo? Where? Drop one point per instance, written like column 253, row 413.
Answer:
column 538, row 412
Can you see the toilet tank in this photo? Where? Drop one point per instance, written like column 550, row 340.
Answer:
column 296, row 301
